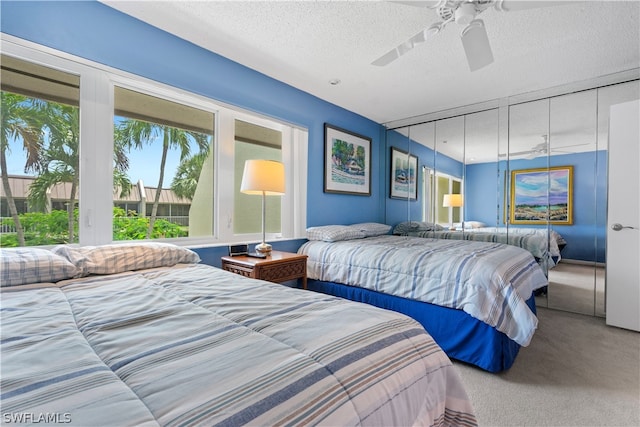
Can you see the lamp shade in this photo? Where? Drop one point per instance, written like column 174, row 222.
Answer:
column 452, row 201
column 263, row 177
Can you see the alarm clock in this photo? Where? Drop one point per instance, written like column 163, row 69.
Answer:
column 236, row 250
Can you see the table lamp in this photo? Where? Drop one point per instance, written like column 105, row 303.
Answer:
column 452, row 201
column 266, row 178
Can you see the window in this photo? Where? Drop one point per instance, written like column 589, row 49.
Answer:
column 255, row 142
column 197, row 199
column 40, row 154
column 160, row 148
column 437, row 187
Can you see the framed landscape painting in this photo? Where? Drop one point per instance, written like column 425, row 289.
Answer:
column 404, row 168
column 347, row 162
column 542, row 195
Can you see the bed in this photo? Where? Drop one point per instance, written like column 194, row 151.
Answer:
column 544, row 245
column 474, row 298
column 144, row 335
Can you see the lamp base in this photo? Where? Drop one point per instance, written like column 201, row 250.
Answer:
column 263, row 248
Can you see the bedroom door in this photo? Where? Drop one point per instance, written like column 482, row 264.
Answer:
column 623, row 231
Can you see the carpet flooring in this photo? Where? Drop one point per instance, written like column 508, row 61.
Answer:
column 577, row 371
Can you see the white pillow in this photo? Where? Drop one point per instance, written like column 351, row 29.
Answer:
column 20, row 266
column 117, row 258
column 371, row 229
column 334, row 233
column 474, row 224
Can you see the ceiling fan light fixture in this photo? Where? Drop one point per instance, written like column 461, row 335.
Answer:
column 465, row 13
column 476, row 45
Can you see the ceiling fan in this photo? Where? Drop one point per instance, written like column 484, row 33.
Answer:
column 464, row 13
column 542, row 149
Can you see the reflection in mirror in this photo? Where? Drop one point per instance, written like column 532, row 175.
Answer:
column 424, row 149
column 448, row 177
column 397, row 209
column 572, row 143
column 526, row 192
column 482, row 155
column 418, row 141
column 482, row 189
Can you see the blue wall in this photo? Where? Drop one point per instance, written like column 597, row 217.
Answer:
column 99, row 33
column 212, row 255
column 586, row 238
column 400, row 210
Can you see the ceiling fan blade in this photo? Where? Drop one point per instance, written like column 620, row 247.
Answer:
column 476, row 45
column 517, row 153
column 418, row 3
column 515, row 5
column 401, row 49
column 570, row 147
column 387, row 58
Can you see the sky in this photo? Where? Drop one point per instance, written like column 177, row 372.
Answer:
column 531, row 189
column 144, row 164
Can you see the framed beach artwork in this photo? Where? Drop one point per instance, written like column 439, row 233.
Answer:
column 347, row 162
column 541, row 195
column 404, row 168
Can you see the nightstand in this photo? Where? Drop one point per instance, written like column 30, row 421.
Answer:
column 278, row 267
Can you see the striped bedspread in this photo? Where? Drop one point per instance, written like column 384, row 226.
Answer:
column 543, row 248
column 489, row 281
column 201, row 346
column 556, row 239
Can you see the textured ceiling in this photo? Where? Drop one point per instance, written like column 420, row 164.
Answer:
column 309, row 43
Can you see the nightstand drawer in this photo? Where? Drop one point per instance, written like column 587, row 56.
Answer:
column 282, row 272
column 238, row 269
column 278, row 267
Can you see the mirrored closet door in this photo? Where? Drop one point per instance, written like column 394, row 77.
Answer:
column 524, row 165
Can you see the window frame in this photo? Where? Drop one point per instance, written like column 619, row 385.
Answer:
column 97, row 85
column 429, row 207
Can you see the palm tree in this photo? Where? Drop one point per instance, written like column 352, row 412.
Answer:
column 60, row 158
column 138, row 133
column 21, row 120
column 120, row 165
column 186, row 180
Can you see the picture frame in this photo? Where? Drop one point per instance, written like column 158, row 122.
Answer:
column 403, row 177
column 541, row 196
column 347, row 162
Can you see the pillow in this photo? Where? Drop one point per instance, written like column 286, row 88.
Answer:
column 117, row 258
column 409, row 226
column 20, row 266
column 474, row 224
column 371, row 229
column 334, row 233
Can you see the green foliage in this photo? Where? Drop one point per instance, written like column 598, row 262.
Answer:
column 185, row 182
column 52, row 228
column 344, row 154
column 129, row 226
column 40, row 229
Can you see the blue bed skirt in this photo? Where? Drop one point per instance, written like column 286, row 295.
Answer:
column 461, row 336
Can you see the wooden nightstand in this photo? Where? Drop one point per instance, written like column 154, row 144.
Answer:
column 277, row 267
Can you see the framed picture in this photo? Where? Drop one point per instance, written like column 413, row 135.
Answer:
column 541, row 195
column 404, row 168
column 347, row 162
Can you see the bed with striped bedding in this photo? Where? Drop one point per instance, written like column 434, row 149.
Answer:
column 544, row 247
column 491, row 283
column 200, row 346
